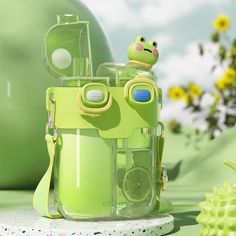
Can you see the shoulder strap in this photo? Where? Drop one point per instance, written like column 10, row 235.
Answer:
column 41, row 194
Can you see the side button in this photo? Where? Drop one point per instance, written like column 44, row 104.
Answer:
column 142, row 95
column 95, row 96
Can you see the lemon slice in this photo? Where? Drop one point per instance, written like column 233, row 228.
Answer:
column 137, row 184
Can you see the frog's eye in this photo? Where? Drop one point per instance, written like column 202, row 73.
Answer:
column 141, row 39
column 154, row 44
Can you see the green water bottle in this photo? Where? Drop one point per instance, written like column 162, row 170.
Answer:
column 105, row 149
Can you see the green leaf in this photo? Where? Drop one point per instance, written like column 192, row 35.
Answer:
column 230, row 164
column 215, row 37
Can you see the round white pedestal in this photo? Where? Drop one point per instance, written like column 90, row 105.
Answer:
column 28, row 222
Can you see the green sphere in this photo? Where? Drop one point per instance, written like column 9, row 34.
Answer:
column 23, row 84
column 218, row 212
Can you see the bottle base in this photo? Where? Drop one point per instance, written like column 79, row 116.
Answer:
column 128, row 212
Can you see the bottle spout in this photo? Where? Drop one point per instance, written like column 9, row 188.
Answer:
column 67, row 19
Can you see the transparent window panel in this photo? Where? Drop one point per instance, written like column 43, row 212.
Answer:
column 136, row 174
column 105, row 178
column 84, row 179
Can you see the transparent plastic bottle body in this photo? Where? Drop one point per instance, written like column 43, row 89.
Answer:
column 106, row 163
column 105, row 178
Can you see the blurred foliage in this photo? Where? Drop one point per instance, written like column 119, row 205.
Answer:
column 220, row 111
column 175, row 127
column 192, row 137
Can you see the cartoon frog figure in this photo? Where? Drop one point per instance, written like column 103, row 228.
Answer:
column 142, row 53
column 142, row 56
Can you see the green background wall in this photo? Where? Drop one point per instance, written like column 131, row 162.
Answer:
column 24, row 80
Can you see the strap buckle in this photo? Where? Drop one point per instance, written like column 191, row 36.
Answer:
column 164, row 177
column 51, row 119
column 47, row 130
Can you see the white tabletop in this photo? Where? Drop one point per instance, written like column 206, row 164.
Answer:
column 27, row 222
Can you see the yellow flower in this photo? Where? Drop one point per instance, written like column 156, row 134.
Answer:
column 195, row 90
column 176, row 93
column 222, row 23
column 231, row 74
column 220, row 84
column 224, row 83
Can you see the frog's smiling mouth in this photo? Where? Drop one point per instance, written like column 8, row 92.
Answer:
column 146, row 49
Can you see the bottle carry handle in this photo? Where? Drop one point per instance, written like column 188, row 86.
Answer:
column 41, row 194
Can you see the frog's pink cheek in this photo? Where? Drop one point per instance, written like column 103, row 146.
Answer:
column 155, row 52
column 139, row 47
